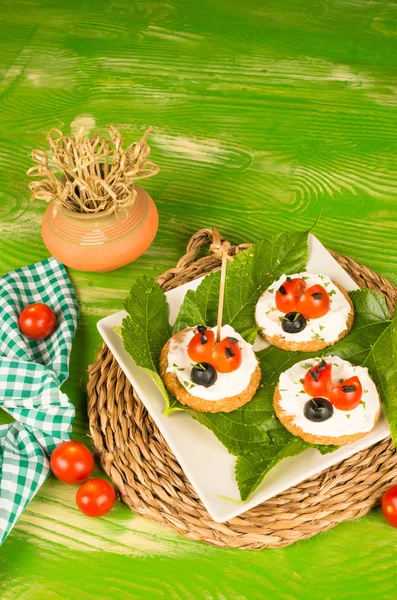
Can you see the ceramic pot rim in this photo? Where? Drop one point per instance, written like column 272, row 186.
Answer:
column 99, row 215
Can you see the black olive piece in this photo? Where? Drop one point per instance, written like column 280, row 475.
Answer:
column 318, row 410
column 232, row 340
column 314, row 374
column 282, row 290
column 317, row 296
column 203, row 374
column 288, row 279
column 203, row 337
column 229, row 352
column 348, row 388
column 293, row 322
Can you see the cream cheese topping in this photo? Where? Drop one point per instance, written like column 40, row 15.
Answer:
column 227, row 384
column 293, row 399
column 327, row 328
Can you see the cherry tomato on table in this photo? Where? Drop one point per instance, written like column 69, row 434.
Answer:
column 72, row 462
column 227, row 356
column 288, row 294
column 37, row 321
column 389, row 506
column 347, row 395
column 317, row 380
column 201, row 345
column 314, row 302
column 95, row 497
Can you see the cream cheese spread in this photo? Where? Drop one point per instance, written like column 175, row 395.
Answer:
column 327, row 328
column 342, row 423
column 227, row 384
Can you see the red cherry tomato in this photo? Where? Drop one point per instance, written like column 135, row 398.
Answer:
column 201, row 345
column 95, row 497
column 389, row 505
column 72, row 462
column 227, row 356
column 37, row 321
column 317, row 380
column 347, row 395
column 314, row 302
column 288, row 294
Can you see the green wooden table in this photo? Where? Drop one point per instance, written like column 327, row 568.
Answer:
column 264, row 113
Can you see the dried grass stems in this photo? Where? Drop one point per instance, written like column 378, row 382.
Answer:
column 97, row 175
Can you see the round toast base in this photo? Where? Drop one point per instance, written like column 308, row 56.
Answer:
column 313, row 345
column 179, row 392
column 288, row 421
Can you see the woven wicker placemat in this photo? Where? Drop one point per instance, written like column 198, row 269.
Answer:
column 149, row 479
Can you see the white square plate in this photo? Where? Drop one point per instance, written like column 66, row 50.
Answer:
column 203, row 458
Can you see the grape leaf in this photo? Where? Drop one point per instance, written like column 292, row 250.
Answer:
column 251, row 468
column 246, row 429
column 200, row 306
column 325, row 449
column 247, row 276
column 146, row 330
column 249, row 335
column 369, row 307
column 382, row 365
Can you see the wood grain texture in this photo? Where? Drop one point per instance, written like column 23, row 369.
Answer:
column 263, row 114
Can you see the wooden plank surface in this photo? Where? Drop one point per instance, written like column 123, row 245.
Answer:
column 263, row 114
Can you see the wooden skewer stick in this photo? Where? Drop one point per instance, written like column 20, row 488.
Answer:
column 221, row 294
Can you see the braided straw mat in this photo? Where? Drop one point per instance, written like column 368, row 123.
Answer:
column 149, row 479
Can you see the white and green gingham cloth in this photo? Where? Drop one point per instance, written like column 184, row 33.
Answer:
column 31, row 373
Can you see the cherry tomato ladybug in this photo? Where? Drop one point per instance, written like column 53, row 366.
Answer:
column 288, row 294
column 347, row 395
column 227, row 356
column 201, row 345
column 314, row 302
column 389, row 505
column 37, row 321
column 317, row 380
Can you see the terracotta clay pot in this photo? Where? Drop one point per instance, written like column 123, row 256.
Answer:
column 100, row 242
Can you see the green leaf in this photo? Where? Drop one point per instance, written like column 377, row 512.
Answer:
column 246, row 429
column 247, row 276
column 326, row 449
column 200, row 306
column 382, row 365
column 117, row 329
column 146, row 330
column 285, row 252
column 249, row 335
column 369, row 306
column 252, row 468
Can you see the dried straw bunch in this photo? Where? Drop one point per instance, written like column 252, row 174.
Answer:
column 97, row 175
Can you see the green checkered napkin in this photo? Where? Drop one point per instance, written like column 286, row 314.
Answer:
column 31, row 373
